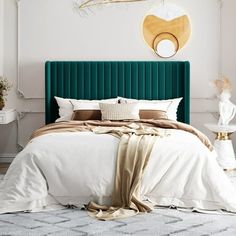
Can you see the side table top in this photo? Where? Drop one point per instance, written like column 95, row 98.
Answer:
column 220, row 128
column 4, row 111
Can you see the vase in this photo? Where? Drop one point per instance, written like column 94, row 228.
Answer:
column 2, row 104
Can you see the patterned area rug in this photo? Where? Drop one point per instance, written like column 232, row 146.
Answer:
column 160, row 222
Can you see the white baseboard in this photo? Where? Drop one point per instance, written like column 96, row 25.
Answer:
column 7, row 157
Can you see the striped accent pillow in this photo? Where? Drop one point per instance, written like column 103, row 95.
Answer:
column 129, row 111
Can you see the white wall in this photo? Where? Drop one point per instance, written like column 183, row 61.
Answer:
column 110, row 33
column 116, row 29
column 228, row 41
column 1, row 37
column 228, row 47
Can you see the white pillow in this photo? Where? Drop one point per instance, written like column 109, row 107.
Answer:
column 91, row 104
column 126, row 111
column 170, row 106
column 66, row 106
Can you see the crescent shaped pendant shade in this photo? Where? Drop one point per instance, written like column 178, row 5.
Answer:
column 166, row 29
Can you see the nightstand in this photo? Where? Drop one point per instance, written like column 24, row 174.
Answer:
column 232, row 176
column 7, row 116
column 223, row 145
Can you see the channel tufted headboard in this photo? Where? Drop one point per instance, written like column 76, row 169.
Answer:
column 106, row 79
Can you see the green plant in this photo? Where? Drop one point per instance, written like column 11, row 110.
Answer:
column 5, row 86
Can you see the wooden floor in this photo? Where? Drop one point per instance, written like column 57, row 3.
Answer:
column 3, row 168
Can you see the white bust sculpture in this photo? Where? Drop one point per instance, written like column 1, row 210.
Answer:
column 227, row 109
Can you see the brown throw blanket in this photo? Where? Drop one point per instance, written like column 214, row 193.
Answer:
column 132, row 158
column 136, row 142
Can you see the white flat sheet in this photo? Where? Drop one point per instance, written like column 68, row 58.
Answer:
column 74, row 168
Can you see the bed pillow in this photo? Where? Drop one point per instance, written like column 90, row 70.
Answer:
column 97, row 115
column 87, row 115
column 126, row 111
column 66, row 106
column 170, row 106
column 91, row 104
column 152, row 114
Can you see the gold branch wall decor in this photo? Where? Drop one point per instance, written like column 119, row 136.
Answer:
column 91, row 3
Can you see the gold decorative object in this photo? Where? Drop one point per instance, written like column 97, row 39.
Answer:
column 91, row 3
column 166, row 29
column 222, row 136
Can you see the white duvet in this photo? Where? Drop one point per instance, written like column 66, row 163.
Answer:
column 74, row 168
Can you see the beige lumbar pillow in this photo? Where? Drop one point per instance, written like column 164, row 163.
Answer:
column 129, row 111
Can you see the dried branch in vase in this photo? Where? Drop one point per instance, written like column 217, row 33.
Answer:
column 223, row 84
column 5, row 86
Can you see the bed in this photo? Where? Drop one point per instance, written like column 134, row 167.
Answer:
column 57, row 169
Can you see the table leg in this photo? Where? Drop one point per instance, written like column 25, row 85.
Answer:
column 226, row 155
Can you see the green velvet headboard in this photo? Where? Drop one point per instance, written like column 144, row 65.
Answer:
column 106, row 79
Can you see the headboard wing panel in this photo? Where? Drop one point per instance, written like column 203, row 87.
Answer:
column 106, row 79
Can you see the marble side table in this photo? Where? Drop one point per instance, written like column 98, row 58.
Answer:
column 223, row 145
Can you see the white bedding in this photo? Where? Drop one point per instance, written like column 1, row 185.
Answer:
column 74, row 168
